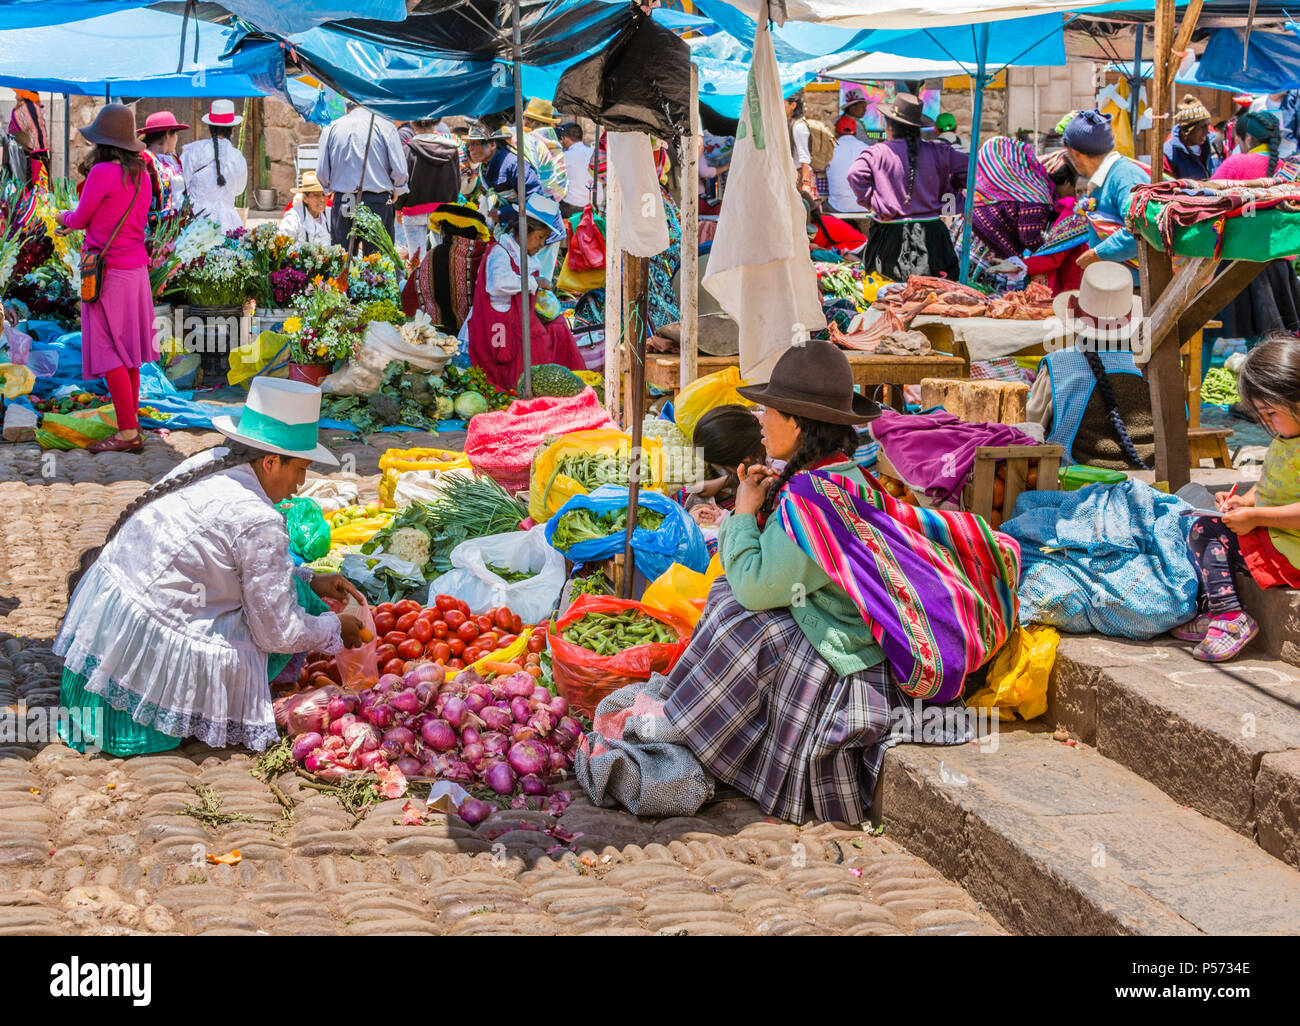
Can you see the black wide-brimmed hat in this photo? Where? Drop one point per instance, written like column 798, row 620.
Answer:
column 906, row 110
column 814, row 381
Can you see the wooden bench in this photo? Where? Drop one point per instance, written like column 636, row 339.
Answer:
column 1210, row 443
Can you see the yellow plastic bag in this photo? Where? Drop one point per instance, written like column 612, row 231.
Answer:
column 549, row 490
column 681, row 591
column 249, row 361
column 703, row 394
column 347, row 528
column 1018, row 675
column 512, row 652
column 396, row 462
column 579, row 282
column 16, row 379
column 871, row 286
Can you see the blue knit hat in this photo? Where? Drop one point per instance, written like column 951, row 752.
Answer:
column 1089, row 132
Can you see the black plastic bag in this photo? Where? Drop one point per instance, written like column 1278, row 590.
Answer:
column 640, row 82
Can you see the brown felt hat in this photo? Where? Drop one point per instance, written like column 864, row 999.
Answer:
column 814, row 381
column 906, row 110
column 114, row 125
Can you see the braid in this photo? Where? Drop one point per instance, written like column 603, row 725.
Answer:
column 817, row 441
column 238, row 454
column 216, row 154
column 913, row 148
column 1274, row 141
column 1112, row 408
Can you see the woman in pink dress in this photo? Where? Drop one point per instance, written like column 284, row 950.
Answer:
column 117, row 331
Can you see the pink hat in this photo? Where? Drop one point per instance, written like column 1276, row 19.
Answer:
column 162, row 121
column 222, row 114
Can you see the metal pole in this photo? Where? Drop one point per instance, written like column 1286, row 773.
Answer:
column 525, row 296
column 67, row 136
column 982, row 54
column 1135, row 86
column 637, row 282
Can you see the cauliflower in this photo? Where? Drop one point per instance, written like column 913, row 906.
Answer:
column 411, row 544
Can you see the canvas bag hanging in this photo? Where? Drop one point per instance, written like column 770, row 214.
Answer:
column 760, row 270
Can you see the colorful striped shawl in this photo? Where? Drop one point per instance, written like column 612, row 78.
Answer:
column 937, row 588
column 1008, row 171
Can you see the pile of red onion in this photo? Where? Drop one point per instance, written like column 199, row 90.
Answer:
column 509, row 733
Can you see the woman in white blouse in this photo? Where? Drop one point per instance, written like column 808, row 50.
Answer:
column 307, row 219
column 177, row 625
column 215, row 171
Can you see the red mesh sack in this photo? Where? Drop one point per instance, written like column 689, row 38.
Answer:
column 500, row 444
column 584, row 678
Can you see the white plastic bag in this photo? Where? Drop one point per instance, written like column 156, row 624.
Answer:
column 424, row 485
column 329, row 494
column 381, row 345
column 470, row 579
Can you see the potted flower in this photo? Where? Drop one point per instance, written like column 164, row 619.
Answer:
column 326, row 329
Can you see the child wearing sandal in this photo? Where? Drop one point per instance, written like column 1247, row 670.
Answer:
column 1258, row 532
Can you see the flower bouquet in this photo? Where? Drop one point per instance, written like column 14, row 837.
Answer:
column 373, row 279
column 326, row 329
column 221, row 277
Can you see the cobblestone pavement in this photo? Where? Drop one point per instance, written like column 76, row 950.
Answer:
column 99, row 845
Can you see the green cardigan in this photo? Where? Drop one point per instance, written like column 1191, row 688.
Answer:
column 767, row 570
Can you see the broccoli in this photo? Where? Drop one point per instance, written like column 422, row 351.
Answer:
column 385, row 410
column 554, row 380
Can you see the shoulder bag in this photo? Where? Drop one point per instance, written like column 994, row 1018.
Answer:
column 92, row 261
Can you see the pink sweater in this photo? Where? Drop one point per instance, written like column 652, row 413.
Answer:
column 1242, row 167
column 104, row 198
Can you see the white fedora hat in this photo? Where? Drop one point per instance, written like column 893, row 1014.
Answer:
column 281, row 416
column 222, row 114
column 1103, row 306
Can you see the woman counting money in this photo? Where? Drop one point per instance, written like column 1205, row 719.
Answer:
column 178, row 623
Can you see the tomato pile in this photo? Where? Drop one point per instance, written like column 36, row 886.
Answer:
column 445, row 632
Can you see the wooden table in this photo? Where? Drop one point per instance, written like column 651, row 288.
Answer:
column 869, row 370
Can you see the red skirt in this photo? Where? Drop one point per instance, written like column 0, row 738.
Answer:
column 1267, row 566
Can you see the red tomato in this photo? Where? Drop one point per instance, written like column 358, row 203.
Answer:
column 463, row 606
column 385, row 622
column 457, row 647
column 472, row 655
column 467, row 631
column 440, row 628
column 422, row 631
column 455, row 664
column 502, row 618
column 385, row 653
column 395, row 638
column 410, row 649
column 441, row 652
column 506, row 640
column 397, row 666
column 536, row 641
column 487, row 641
column 384, row 607
column 516, row 623
column 455, row 618
column 444, row 603
column 406, row 606
column 406, row 621
column 484, row 623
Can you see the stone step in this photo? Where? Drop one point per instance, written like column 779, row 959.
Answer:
column 1054, row 839
column 1277, row 610
column 1221, row 738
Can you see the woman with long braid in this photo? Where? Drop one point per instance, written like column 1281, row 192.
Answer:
column 176, row 626
column 1091, row 397
column 909, row 184
column 214, row 169
column 798, row 675
column 1270, row 304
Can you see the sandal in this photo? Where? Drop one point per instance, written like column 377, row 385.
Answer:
column 1226, row 638
column 116, row 444
column 1193, row 630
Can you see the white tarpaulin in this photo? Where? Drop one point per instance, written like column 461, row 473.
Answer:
column 760, row 268
column 890, row 14
column 642, row 221
column 882, row 67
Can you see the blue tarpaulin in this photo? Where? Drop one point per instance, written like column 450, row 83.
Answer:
column 1273, row 65
column 271, row 15
column 135, row 54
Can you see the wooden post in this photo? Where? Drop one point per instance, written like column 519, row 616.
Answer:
column 1164, row 373
column 613, row 294
column 638, row 289
column 1161, row 83
column 690, row 244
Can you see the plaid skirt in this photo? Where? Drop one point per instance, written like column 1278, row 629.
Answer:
column 763, row 711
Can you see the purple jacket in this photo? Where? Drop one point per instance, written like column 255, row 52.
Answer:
column 878, row 179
